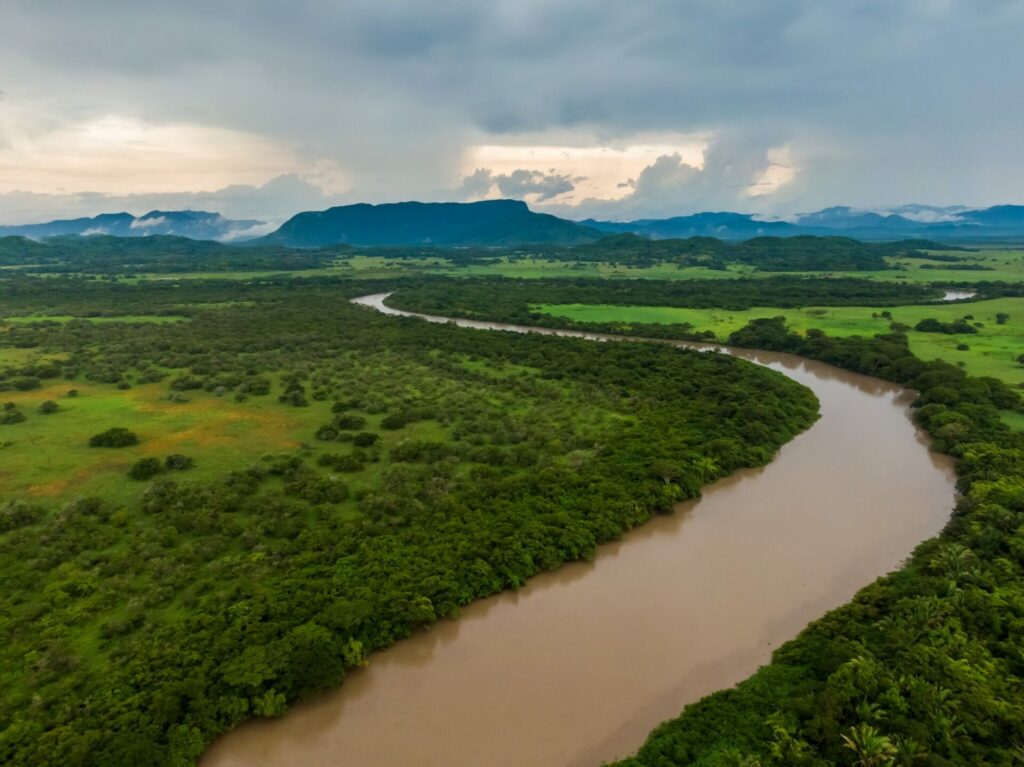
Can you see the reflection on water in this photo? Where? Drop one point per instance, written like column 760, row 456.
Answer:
column 581, row 663
column 958, row 295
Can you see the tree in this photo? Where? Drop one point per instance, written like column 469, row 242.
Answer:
column 178, row 462
column 12, row 416
column 667, row 471
column 365, row 439
column 118, row 436
column 707, row 468
column 871, row 747
column 145, row 468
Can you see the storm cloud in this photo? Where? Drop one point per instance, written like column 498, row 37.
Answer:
column 802, row 104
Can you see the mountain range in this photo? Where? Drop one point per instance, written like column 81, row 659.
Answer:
column 955, row 223
column 492, row 223
column 194, row 224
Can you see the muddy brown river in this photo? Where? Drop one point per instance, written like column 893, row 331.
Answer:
column 580, row 664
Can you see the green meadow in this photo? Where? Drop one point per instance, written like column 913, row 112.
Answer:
column 992, row 350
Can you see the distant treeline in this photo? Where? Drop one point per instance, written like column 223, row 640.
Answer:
column 767, row 254
column 511, row 299
column 102, row 254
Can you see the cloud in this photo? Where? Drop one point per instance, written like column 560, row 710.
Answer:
column 476, row 185
column 880, row 103
column 519, row 184
column 148, row 223
column 272, row 202
column 734, row 174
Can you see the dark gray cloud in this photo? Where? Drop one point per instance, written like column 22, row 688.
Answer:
column 879, row 103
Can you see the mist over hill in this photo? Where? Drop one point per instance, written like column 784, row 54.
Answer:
column 501, row 223
column 194, row 224
column 953, row 223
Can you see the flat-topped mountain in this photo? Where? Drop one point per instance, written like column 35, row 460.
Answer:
column 490, row 222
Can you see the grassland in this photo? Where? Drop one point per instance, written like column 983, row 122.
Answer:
column 992, row 350
column 46, row 458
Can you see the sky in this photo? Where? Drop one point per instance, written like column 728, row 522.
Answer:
column 604, row 108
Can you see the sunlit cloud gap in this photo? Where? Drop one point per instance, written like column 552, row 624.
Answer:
column 601, row 172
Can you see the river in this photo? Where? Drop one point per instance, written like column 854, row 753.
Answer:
column 580, row 664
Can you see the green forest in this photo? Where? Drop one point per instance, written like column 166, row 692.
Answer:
column 249, row 488
column 923, row 667
column 249, row 485
column 165, row 254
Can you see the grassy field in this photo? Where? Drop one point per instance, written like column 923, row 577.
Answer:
column 993, row 349
column 48, row 457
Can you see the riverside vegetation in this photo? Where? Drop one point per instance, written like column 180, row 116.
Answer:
column 223, row 495
column 984, row 335
column 923, row 667
column 280, row 530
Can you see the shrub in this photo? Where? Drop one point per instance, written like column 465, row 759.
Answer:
column 12, row 416
column 49, row 407
column 294, row 398
column 932, row 325
column 340, row 462
column 26, row 383
column 178, row 462
column 118, row 436
column 365, row 439
column 393, row 421
column 255, row 387
column 15, row 514
column 353, row 422
column 186, row 383
column 327, row 433
column 145, row 468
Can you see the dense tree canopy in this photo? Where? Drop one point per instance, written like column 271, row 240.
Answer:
column 448, row 465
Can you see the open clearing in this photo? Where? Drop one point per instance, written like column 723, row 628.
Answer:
column 992, row 350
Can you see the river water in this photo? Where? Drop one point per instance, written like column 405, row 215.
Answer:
column 580, row 664
column 957, row 295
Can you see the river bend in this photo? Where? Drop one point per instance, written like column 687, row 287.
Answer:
column 581, row 663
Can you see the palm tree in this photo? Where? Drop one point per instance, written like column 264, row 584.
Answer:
column 871, row 747
column 706, row 467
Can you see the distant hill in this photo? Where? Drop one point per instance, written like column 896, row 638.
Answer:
column 954, row 223
column 447, row 224
column 502, row 223
column 194, row 224
column 103, row 253
column 723, row 225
